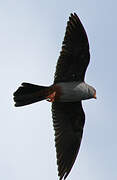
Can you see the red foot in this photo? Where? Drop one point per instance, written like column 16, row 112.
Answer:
column 51, row 97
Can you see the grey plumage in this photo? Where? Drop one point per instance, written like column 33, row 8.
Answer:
column 75, row 91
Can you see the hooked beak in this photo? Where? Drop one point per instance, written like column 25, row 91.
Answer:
column 95, row 96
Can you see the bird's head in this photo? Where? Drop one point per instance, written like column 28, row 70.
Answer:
column 92, row 92
column 94, row 96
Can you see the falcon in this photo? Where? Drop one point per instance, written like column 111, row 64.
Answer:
column 66, row 95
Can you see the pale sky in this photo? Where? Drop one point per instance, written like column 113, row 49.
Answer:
column 31, row 34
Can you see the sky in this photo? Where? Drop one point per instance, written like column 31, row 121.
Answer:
column 31, row 34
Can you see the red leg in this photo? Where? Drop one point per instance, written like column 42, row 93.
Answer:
column 51, row 97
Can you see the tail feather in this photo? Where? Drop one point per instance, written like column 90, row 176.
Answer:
column 29, row 93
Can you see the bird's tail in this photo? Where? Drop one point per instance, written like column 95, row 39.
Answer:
column 29, row 93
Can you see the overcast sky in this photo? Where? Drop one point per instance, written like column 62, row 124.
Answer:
column 31, row 33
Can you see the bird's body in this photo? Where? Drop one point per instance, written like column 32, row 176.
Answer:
column 66, row 94
column 74, row 91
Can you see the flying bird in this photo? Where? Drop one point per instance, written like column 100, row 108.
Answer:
column 66, row 94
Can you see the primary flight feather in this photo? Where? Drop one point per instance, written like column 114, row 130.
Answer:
column 66, row 94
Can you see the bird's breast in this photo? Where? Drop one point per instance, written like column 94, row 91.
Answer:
column 71, row 91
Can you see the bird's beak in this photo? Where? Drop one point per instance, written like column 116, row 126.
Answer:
column 95, row 96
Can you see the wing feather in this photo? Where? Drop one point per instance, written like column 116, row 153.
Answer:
column 68, row 122
column 74, row 56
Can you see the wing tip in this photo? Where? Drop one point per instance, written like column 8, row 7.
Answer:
column 74, row 14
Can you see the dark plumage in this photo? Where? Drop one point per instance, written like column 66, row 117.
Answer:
column 66, row 94
column 74, row 56
column 68, row 122
column 69, row 118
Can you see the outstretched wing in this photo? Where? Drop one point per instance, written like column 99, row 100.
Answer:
column 74, row 56
column 68, row 121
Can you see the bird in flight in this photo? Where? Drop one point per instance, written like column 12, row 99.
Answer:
column 66, row 94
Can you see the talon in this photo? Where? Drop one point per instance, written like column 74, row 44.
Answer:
column 51, row 97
